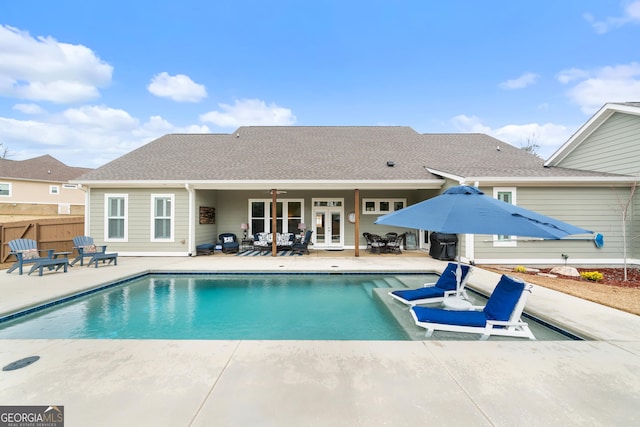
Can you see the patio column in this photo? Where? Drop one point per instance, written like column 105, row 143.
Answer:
column 357, row 223
column 274, row 222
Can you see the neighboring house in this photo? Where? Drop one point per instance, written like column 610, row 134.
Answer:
column 40, row 186
column 183, row 190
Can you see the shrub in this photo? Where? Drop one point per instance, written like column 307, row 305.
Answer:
column 594, row 276
column 520, row 269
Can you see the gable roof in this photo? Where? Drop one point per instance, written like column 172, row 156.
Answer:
column 591, row 126
column 43, row 168
column 260, row 156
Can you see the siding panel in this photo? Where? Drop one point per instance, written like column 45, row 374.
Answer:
column 614, row 147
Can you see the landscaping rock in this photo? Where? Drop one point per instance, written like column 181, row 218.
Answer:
column 566, row 271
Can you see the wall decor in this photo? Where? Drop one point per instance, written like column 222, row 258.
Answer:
column 207, row 215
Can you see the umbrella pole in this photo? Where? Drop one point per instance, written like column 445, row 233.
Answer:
column 458, row 273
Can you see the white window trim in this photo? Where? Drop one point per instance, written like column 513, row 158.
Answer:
column 171, row 197
column 10, row 189
column 108, row 196
column 512, row 242
column 267, row 219
column 70, row 186
column 57, row 190
column 377, row 201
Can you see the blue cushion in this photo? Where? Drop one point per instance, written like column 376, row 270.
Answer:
column 504, row 298
column 450, row 317
column 447, row 280
column 420, row 293
column 206, row 246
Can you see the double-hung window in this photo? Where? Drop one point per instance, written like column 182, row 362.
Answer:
column 5, row 189
column 162, row 214
column 116, row 218
column 507, row 195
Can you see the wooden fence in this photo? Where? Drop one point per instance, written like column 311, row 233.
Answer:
column 50, row 233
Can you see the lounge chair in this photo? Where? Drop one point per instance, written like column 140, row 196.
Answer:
column 86, row 249
column 302, row 246
column 26, row 252
column 445, row 287
column 229, row 243
column 500, row 316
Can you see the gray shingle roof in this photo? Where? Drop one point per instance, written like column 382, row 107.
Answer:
column 43, row 168
column 321, row 153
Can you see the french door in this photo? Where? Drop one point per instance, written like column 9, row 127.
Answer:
column 328, row 220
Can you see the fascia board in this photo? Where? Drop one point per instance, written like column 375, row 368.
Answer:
column 268, row 185
column 553, row 181
column 447, row 175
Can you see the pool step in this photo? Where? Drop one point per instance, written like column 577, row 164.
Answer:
column 379, row 283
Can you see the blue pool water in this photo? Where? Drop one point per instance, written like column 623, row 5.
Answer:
column 251, row 307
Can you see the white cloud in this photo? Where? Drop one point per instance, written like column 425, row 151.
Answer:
column 100, row 117
column 594, row 88
column 45, row 69
column 179, row 88
column 567, row 76
column 469, row 124
column 250, row 112
column 89, row 136
column 548, row 136
column 29, row 108
column 630, row 15
column 527, row 79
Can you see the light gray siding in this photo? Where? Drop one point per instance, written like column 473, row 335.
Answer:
column 614, row 147
column 594, row 209
column 139, row 220
column 205, row 233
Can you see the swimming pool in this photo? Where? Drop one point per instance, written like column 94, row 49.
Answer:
column 228, row 306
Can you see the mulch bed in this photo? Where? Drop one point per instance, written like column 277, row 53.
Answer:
column 612, row 276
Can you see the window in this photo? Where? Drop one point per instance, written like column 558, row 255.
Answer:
column 162, row 214
column 382, row 206
column 115, row 228
column 507, row 195
column 5, row 189
column 288, row 215
column 70, row 186
column 54, row 189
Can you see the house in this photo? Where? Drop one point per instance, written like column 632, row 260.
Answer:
column 181, row 190
column 40, row 186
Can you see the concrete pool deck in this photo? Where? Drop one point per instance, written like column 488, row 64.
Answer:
column 325, row 383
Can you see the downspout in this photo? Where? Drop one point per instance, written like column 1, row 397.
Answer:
column 192, row 232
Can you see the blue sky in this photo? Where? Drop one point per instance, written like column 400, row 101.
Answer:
column 88, row 81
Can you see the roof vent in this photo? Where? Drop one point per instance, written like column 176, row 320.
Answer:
column 390, row 163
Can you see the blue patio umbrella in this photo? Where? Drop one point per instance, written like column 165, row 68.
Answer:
column 467, row 210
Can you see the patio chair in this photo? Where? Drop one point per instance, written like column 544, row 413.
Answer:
column 500, row 316
column 26, row 252
column 377, row 244
column 367, row 238
column 302, row 246
column 229, row 243
column 444, row 287
column 86, row 249
column 393, row 243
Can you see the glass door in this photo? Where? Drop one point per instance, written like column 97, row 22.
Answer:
column 328, row 225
